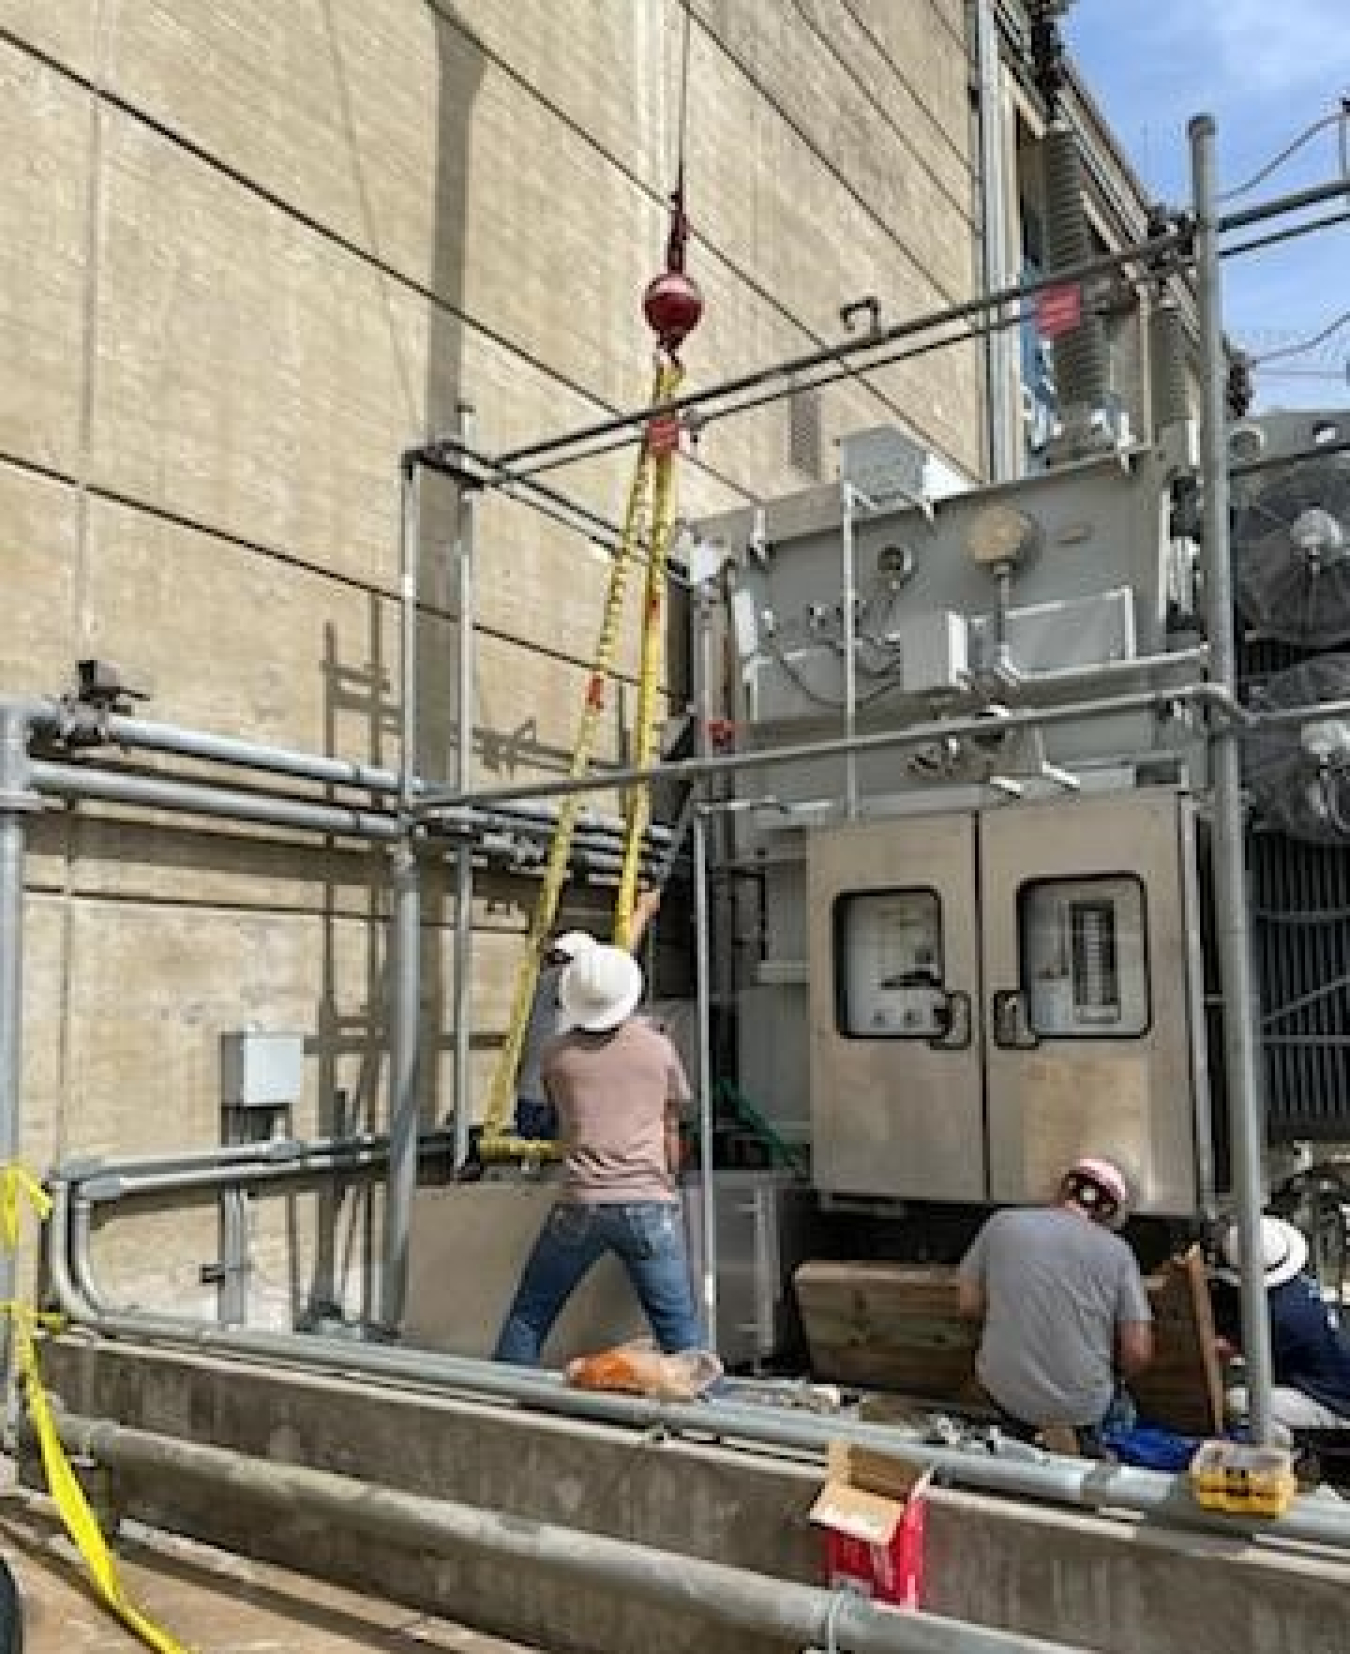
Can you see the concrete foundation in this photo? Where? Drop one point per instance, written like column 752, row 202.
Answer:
column 1084, row 1580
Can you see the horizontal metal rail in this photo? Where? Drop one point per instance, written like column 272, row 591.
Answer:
column 783, row 1609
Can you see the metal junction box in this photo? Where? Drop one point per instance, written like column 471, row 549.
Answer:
column 261, row 1070
column 995, row 992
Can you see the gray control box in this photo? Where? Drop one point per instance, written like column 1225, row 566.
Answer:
column 261, row 1070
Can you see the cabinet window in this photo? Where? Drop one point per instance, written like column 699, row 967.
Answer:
column 1085, row 957
column 888, row 964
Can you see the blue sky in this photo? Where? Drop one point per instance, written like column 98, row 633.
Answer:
column 1265, row 69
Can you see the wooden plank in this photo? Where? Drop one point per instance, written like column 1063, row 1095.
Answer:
column 892, row 1326
column 896, row 1327
column 1183, row 1387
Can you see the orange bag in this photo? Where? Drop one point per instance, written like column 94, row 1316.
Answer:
column 638, row 1369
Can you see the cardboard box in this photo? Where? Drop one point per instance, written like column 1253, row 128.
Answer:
column 873, row 1508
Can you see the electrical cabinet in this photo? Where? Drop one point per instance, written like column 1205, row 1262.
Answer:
column 994, row 993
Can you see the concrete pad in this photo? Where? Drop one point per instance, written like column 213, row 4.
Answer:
column 212, row 1601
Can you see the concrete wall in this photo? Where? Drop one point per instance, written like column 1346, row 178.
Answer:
column 1116, row 1586
column 250, row 252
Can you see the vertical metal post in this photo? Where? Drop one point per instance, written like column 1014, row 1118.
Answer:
column 405, row 974
column 466, row 710
column 998, row 344
column 17, row 800
column 707, row 1185
column 849, row 600
column 701, row 604
column 1230, row 884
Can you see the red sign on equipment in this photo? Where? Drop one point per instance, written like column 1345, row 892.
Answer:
column 1059, row 310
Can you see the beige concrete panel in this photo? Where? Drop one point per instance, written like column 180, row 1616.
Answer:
column 825, row 156
column 394, row 130
column 44, row 959
column 355, row 115
column 67, row 30
column 251, row 375
column 926, row 41
column 39, row 530
column 219, row 863
column 903, row 92
column 238, row 642
column 152, row 988
column 457, row 1308
column 44, row 203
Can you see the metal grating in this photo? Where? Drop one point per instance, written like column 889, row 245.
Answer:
column 1300, row 896
column 804, row 432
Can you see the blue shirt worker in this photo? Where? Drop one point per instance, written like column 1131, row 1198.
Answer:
column 1309, row 1357
column 1064, row 1313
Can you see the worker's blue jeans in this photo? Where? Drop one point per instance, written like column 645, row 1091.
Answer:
column 647, row 1235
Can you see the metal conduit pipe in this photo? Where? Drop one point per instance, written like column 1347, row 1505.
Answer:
column 1246, row 1114
column 693, row 769
column 79, row 781
column 108, row 1187
column 268, row 1151
column 1096, row 1486
column 466, row 714
column 778, row 1608
column 146, row 735
column 17, row 802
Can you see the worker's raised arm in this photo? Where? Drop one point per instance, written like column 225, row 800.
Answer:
column 646, row 905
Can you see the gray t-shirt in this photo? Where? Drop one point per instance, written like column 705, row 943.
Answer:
column 1056, row 1287
column 547, row 1020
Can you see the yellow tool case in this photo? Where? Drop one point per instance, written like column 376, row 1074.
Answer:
column 1235, row 1476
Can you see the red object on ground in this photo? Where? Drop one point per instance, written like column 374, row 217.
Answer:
column 892, row 1572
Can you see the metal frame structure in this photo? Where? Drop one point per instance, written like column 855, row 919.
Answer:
column 492, row 821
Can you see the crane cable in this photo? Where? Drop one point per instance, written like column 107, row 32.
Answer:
column 672, row 305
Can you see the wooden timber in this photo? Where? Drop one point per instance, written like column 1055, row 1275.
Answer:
column 896, row 1327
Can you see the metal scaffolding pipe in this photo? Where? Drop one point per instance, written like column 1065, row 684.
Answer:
column 405, row 933
column 143, row 734
column 466, row 712
column 695, row 769
column 778, row 1608
column 1096, row 1486
column 1231, row 922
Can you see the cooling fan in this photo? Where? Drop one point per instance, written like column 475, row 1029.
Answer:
column 1291, row 550
column 1299, row 772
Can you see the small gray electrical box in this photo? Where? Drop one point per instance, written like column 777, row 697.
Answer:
column 260, row 1070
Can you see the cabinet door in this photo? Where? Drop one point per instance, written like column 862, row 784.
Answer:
column 1090, row 947
column 896, row 1089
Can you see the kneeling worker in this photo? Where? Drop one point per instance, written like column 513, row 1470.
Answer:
column 618, row 1086
column 1309, row 1356
column 1064, row 1309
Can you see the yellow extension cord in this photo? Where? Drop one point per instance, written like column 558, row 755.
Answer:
column 17, row 1188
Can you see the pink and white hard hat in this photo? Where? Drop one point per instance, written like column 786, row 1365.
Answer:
column 1100, row 1188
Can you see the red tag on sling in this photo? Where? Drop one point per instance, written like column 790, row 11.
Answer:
column 663, row 435
column 1059, row 310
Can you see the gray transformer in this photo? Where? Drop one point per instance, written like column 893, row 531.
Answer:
column 966, row 959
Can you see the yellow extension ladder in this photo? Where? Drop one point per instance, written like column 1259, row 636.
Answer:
column 649, row 516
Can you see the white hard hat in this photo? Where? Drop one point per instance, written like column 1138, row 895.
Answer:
column 571, row 943
column 1284, row 1252
column 600, row 988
